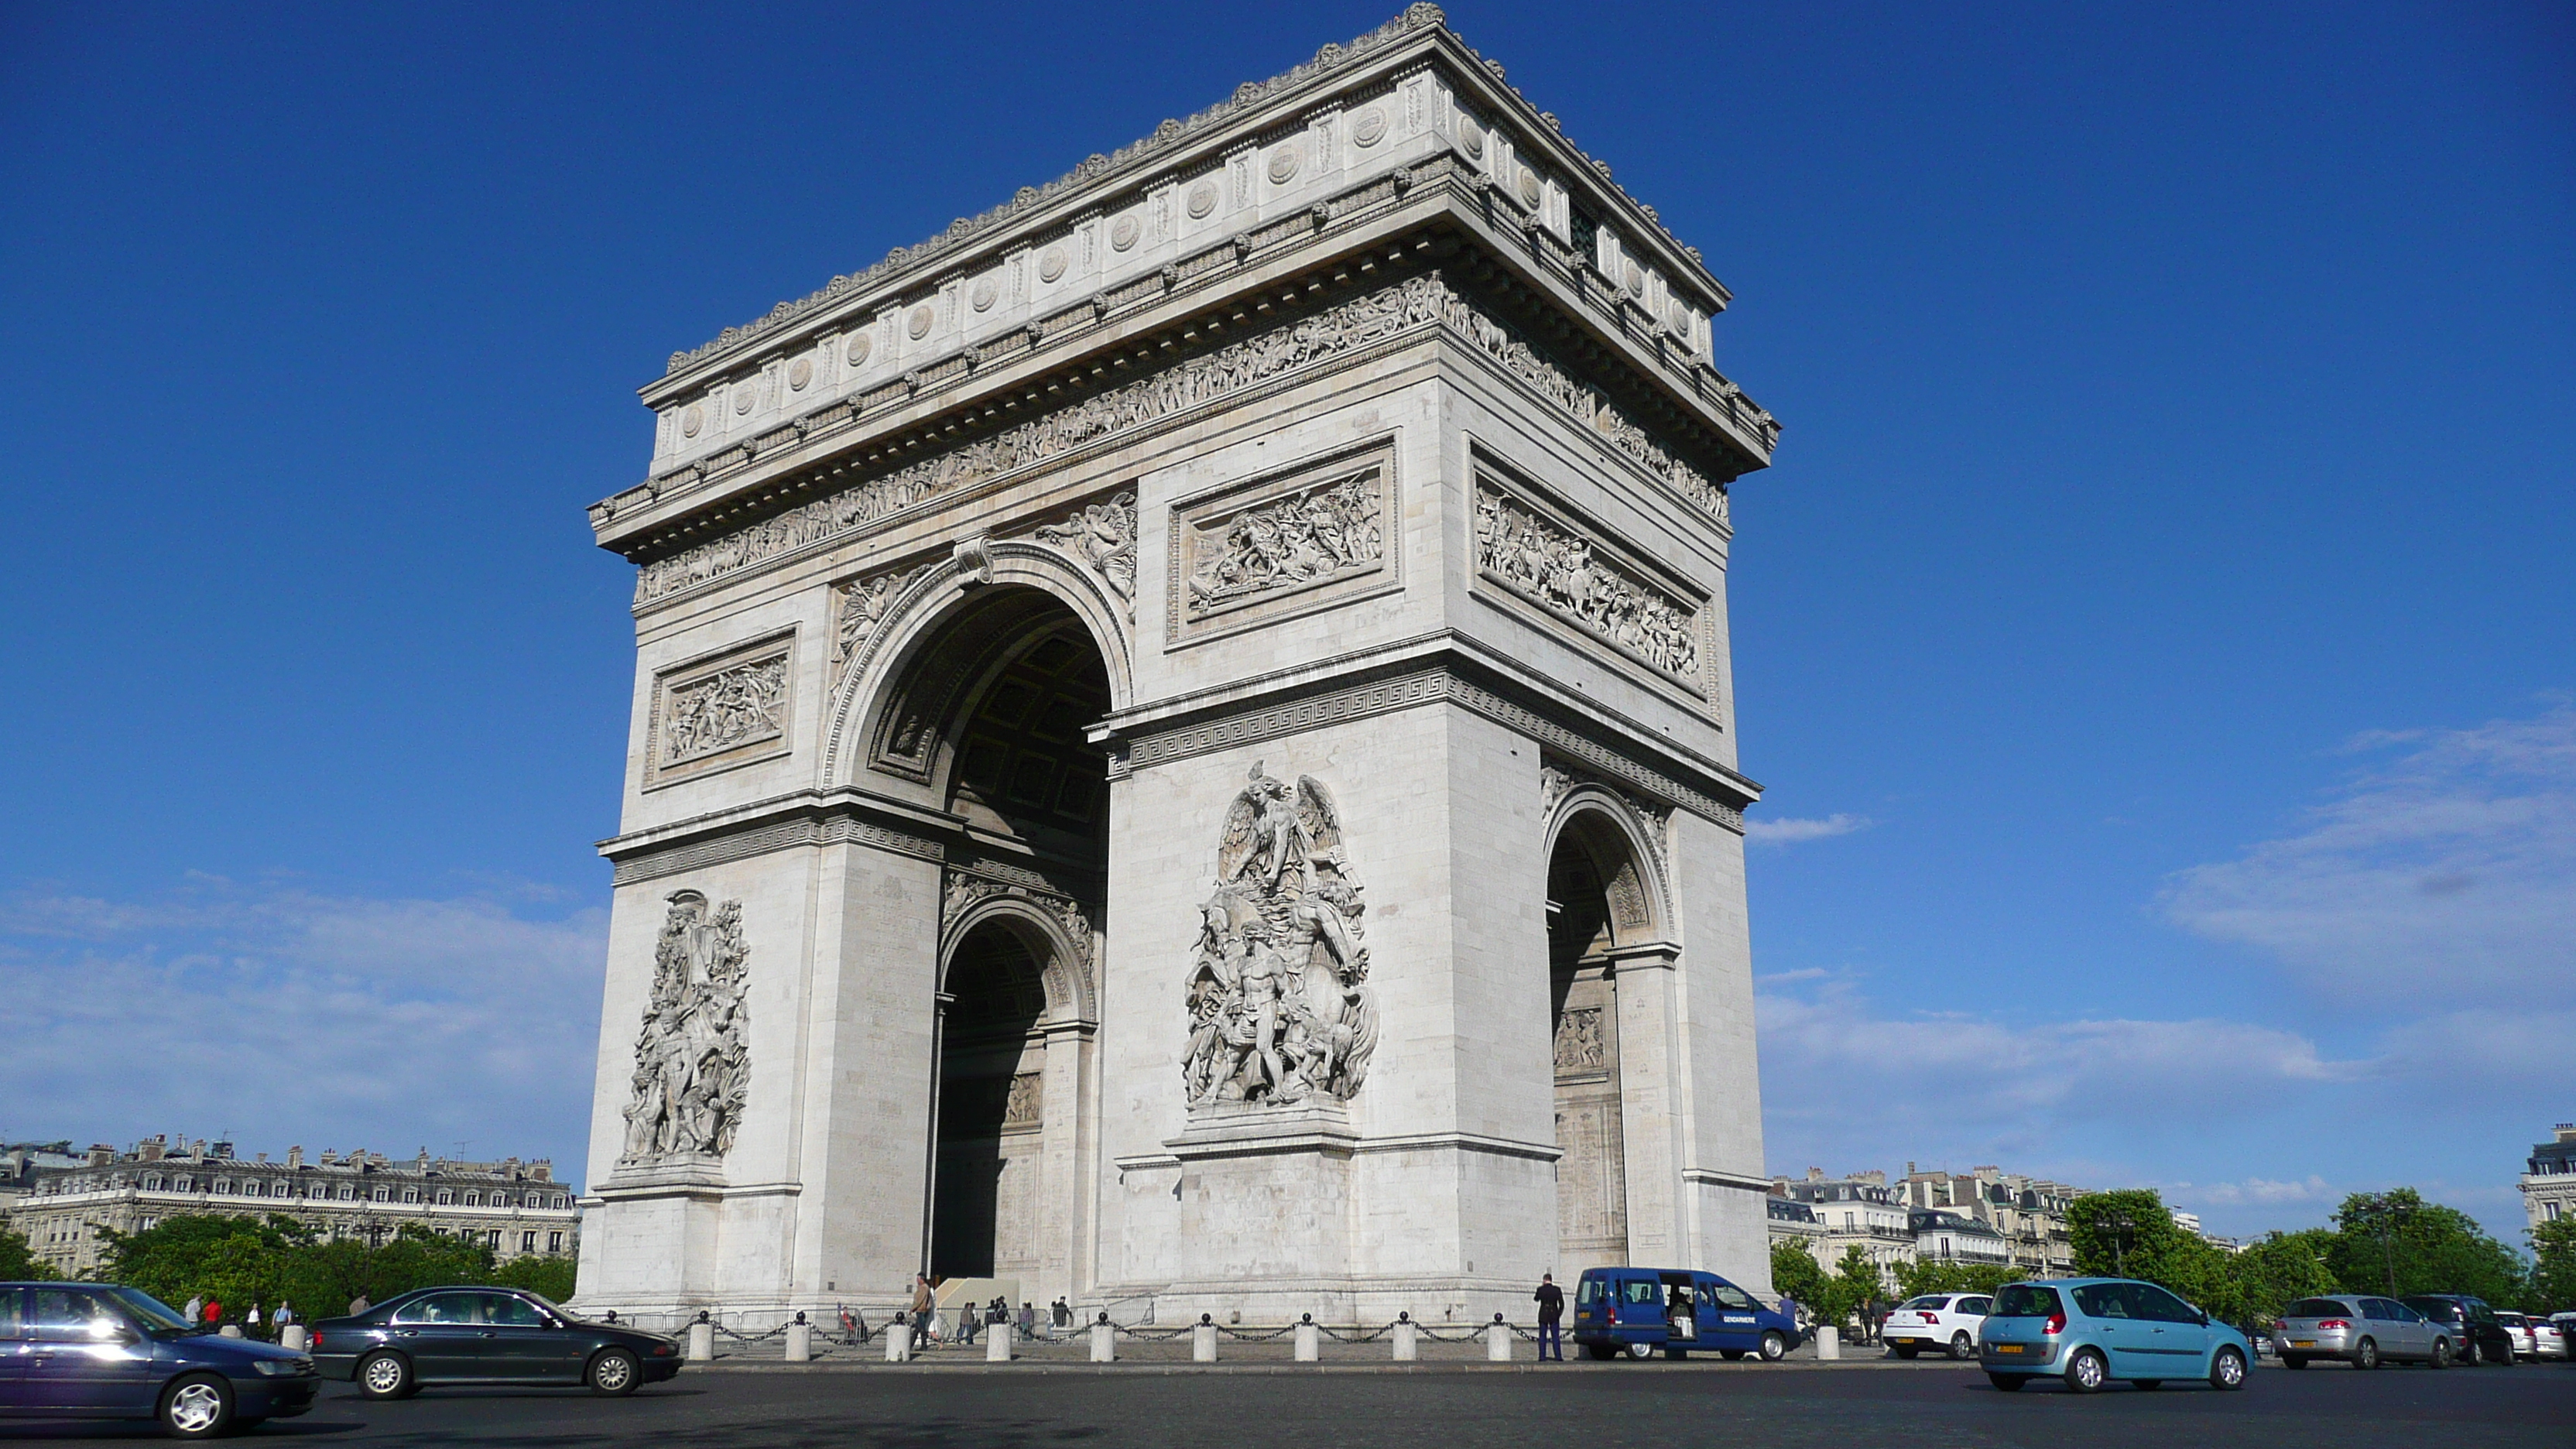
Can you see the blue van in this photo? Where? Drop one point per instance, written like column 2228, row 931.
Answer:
column 2089, row 1331
column 1638, row 1311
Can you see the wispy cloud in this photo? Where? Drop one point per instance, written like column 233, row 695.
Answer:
column 2445, row 873
column 275, row 1012
column 1794, row 831
column 2254, row 1192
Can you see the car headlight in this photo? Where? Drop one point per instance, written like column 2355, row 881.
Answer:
column 276, row 1368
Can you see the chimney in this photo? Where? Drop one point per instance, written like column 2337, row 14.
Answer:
column 295, row 1155
column 329, row 1157
column 2567, row 1131
column 100, row 1154
column 542, row 1170
column 148, row 1150
column 1815, row 1174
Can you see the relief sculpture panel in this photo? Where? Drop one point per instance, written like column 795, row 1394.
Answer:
column 1553, row 566
column 1310, row 539
column 718, row 713
column 1280, row 1010
column 692, row 1058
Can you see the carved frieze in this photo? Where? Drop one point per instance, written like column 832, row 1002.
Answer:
column 1315, row 529
column 1652, row 818
column 1280, row 1012
column 964, row 889
column 1102, row 535
column 1579, row 1048
column 1566, row 574
column 1335, row 330
column 692, row 1058
column 721, row 711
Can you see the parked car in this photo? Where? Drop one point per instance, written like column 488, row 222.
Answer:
column 1937, row 1322
column 2361, row 1330
column 485, row 1336
column 2565, row 1323
column 2477, row 1336
column 95, row 1351
column 2549, row 1336
column 1640, row 1311
column 2517, row 1332
column 2090, row 1331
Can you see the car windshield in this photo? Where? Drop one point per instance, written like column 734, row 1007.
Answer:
column 551, row 1306
column 2022, row 1300
column 2314, row 1308
column 151, row 1312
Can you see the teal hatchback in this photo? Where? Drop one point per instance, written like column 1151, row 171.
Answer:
column 2090, row 1331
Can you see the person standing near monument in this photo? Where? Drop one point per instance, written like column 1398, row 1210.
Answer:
column 1551, row 1315
column 196, row 1310
column 359, row 1305
column 920, row 1313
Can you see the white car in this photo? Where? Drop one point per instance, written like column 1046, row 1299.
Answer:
column 1938, row 1322
column 2548, row 1338
column 2517, row 1329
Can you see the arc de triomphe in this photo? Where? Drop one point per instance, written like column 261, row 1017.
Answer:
column 1183, row 746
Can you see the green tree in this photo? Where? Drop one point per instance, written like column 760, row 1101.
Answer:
column 2553, row 1267
column 2396, row 1243
column 18, row 1262
column 2129, row 1234
column 552, row 1278
column 2281, row 1268
column 1854, row 1283
column 1942, row 1277
column 1794, row 1272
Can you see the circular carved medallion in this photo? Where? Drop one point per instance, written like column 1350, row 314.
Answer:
column 1283, row 165
column 692, row 420
column 1529, row 188
column 1471, row 137
column 918, row 324
column 1681, row 318
column 1368, row 127
column 987, row 292
column 1202, row 199
column 799, row 373
column 1123, row 233
column 1052, row 264
column 745, row 396
column 1636, row 281
column 860, row 347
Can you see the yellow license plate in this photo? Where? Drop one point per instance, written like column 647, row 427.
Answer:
column 2303, row 1343
column 2007, row 1348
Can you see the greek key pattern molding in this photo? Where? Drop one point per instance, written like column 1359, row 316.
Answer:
column 1431, row 686
column 764, row 839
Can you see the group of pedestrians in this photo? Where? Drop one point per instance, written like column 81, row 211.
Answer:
column 922, row 1319
column 208, row 1310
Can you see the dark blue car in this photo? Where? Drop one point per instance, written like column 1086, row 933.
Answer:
column 1642, row 1311
column 93, row 1351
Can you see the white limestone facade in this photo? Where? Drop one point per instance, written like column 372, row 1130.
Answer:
column 1183, row 749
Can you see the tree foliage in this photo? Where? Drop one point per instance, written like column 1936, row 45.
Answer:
column 244, row 1261
column 1795, row 1274
column 1942, row 1277
column 18, row 1262
column 2396, row 1243
column 2553, row 1267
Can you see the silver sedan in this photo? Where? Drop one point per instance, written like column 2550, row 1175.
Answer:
column 2362, row 1330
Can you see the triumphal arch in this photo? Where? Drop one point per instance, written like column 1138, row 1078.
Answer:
column 1183, row 751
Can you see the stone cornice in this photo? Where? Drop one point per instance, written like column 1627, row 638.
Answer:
column 1178, row 144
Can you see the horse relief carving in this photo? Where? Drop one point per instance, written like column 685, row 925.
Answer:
column 1310, row 536
column 1559, row 570
column 692, row 1060
column 1280, row 1010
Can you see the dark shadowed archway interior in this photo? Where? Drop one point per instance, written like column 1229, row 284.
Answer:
column 1591, row 1176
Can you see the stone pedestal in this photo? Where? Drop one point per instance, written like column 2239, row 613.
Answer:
column 1407, row 1336
column 800, row 1342
column 997, row 1343
column 1310, row 1343
column 1203, row 1343
column 1829, row 1343
column 898, row 1343
column 702, row 1342
column 1498, row 1342
column 1104, row 1342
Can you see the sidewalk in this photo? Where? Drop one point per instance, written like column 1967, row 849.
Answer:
column 1279, row 1355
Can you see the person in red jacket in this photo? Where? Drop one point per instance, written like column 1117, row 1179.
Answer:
column 214, row 1313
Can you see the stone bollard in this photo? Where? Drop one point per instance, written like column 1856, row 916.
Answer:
column 229, row 1330
column 702, row 1341
column 1829, row 1343
column 1104, row 1340
column 1498, row 1341
column 1310, row 1340
column 800, row 1341
column 1408, row 1347
column 292, row 1337
column 1203, row 1340
column 898, row 1337
column 997, row 1343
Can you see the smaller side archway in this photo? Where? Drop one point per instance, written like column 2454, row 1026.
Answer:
column 1603, row 902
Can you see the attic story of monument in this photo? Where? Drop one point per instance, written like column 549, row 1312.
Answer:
column 1183, row 750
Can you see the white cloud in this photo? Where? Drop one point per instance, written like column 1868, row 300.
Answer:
column 2255, row 1192
column 286, row 1016
column 2447, row 873
column 1795, row 831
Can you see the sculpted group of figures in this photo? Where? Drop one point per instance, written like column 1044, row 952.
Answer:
column 1557, row 569
column 691, row 1063
column 1308, row 536
column 712, row 714
column 1280, row 1012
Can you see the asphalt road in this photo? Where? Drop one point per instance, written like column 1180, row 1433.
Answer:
column 1311, row 1408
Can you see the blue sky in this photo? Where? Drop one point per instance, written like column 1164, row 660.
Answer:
column 2158, row 632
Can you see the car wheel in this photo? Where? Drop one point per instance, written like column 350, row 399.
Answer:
column 199, row 1406
column 1641, row 1351
column 1774, row 1347
column 614, row 1373
column 2008, row 1383
column 2471, row 1355
column 2085, row 1371
column 1961, row 1348
column 386, row 1376
column 2365, row 1355
column 2292, row 1360
column 2227, row 1370
column 2503, row 1357
column 1906, row 1350
column 2441, row 1358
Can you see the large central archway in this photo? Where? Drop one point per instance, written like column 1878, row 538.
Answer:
column 1593, row 902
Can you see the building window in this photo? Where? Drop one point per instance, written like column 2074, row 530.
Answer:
column 562, row 1201
column 380, row 1194
column 347, row 1192
column 474, row 1199
column 554, row 1242
column 445, row 1196
column 411, row 1194
column 492, row 1240
column 2549, row 1211
column 151, row 1182
column 527, row 1242
column 185, row 1184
